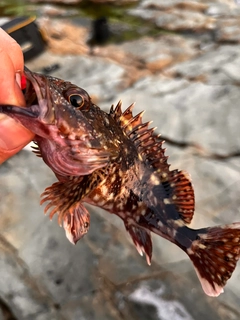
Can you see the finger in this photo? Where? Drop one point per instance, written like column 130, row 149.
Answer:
column 13, row 137
column 10, row 92
column 11, row 58
column 12, row 49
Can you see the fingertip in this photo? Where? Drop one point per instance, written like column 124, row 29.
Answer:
column 11, row 48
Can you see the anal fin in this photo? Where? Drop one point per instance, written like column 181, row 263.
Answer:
column 142, row 240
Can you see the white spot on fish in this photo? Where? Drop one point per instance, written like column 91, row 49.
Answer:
column 154, row 179
column 104, row 190
column 166, row 201
column 96, row 197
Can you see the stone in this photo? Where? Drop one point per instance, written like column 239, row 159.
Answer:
column 1, row 315
column 228, row 30
column 176, row 19
column 179, row 20
column 160, row 53
column 50, row 10
column 211, row 67
column 115, row 2
column 66, row 2
column 189, row 113
column 166, row 5
column 94, row 74
column 64, row 38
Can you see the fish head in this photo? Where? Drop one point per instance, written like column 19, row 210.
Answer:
column 55, row 104
column 57, row 112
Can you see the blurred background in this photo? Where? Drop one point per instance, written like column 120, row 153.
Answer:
column 179, row 61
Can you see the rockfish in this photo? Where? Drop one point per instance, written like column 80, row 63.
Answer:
column 116, row 162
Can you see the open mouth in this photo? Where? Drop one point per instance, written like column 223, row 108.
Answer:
column 32, row 91
column 30, row 94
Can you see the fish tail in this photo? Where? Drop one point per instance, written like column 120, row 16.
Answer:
column 214, row 253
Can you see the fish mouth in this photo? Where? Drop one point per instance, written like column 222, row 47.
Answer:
column 32, row 92
column 37, row 93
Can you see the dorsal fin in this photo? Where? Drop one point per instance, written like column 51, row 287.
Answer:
column 149, row 146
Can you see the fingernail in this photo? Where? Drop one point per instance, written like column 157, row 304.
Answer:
column 18, row 79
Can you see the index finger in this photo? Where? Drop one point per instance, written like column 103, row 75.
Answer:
column 12, row 49
column 11, row 58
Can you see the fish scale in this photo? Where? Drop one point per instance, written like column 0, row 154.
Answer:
column 117, row 162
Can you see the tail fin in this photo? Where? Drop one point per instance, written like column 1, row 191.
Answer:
column 215, row 253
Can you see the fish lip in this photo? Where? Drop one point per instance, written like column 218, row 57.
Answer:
column 40, row 86
column 32, row 80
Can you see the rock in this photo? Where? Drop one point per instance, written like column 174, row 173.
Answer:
column 66, row 2
column 228, row 30
column 189, row 113
column 179, row 20
column 100, row 78
column 176, row 19
column 115, row 2
column 25, row 298
column 1, row 315
column 180, row 4
column 64, row 38
column 211, row 67
column 161, row 52
column 218, row 10
column 50, row 10
column 159, row 62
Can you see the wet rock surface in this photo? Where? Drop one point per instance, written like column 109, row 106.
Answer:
column 188, row 83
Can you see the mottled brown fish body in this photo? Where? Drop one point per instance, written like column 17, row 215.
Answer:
column 116, row 162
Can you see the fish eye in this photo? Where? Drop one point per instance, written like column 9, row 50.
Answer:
column 86, row 225
column 76, row 100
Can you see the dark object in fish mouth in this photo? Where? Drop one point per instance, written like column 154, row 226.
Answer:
column 116, row 162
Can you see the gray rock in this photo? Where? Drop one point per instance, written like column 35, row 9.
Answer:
column 165, row 50
column 67, row 2
column 180, row 20
column 189, row 114
column 25, row 298
column 1, row 315
column 210, row 67
column 97, row 76
column 176, row 19
column 218, row 9
column 228, row 29
column 166, row 5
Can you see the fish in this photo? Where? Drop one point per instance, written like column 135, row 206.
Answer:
column 115, row 161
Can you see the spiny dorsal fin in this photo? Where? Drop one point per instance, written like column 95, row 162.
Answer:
column 149, row 146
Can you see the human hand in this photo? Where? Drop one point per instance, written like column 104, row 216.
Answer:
column 13, row 136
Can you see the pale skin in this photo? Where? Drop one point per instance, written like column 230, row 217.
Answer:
column 13, row 136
